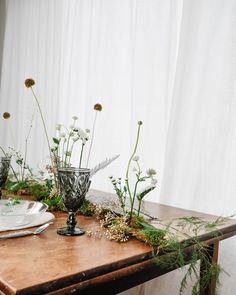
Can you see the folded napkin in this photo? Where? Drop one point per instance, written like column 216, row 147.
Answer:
column 43, row 218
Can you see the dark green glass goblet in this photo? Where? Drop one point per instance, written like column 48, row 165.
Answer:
column 4, row 169
column 73, row 185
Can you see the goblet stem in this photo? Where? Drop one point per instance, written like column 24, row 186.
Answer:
column 71, row 230
column 71, row 221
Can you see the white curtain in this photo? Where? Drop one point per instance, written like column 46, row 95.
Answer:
column 171, row 64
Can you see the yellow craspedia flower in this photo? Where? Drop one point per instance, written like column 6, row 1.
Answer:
column 97, row 107
column 29, row 82
column 6, row 115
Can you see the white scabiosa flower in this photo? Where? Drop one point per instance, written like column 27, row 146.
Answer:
column 136, row 158
column 82, row 134
column 75, row 118
column 150, row 172
column 87, row 130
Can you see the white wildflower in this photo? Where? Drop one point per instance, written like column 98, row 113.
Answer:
column 136, row 158
column 87, row 130
column 82, row 134
column 150, row 172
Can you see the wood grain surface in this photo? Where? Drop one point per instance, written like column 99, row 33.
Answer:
column 48, row 262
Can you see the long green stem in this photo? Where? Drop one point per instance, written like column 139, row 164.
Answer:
column 81, row 155
column 46, row 134
column 72, row 146
column 26, row 148
column 133, row 199
column 67, row 149
column 63, row 151
column 92, row 137
column 128, row 167
column 139, row 206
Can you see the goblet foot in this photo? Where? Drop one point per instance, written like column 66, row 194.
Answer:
column 65, row 231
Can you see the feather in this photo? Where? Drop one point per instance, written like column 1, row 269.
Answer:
column 102, row 165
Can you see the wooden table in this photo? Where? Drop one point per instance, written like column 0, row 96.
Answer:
column 54, row 264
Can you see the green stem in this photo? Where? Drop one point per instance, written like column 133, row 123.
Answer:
column 139, row 206
column 63, row 151
column 81, row 155
column 128, row 167
column 92, row 137
column 26, row 148
column 134, row 195
column 72, row 146
column 67, row 148
column 46, row 134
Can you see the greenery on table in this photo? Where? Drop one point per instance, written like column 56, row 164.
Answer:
column 168, row 241
column 40, row 191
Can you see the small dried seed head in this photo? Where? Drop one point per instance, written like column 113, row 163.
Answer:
column 29, row 82
column 6, row 115
column 97, row 107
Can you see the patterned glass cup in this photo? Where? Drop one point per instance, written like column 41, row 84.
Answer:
column 4, row 169
column 73, row 185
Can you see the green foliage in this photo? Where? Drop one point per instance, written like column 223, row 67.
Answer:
column 56, row 140
column 39, row 191
column 14, row 186
column 87, row 208
column 54, row 204
column 154, row 237
column 13, row 201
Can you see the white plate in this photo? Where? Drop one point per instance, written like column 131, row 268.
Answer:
column 22, row 213
column 43, row 218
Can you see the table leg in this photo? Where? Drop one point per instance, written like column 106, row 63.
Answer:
column 213, row 258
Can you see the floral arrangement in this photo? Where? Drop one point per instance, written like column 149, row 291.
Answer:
column 68, row 140
column 128, row 220
column 124, row 191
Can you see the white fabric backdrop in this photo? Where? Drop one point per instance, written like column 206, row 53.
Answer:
column 169, row 63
